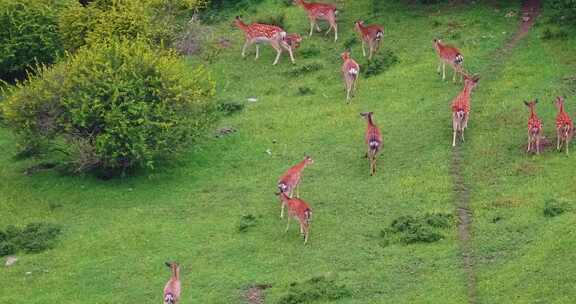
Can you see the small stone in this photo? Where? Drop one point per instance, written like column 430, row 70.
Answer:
column 269, row 152
column 28, row 272
column 10, row 260
column 252, row 99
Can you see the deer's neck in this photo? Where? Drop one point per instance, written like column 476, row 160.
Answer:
column 176, row 273
column 241, row 25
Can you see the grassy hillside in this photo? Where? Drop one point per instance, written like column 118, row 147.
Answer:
column 118, row 233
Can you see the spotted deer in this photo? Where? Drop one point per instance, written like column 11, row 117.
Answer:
column 461, row 108
column 370, row 35
column 299, row 210
column 373, row 139
column 450, row 55
column 534, row 127
column 172, row 287
column 320, row 11
column 350, row 73
column 290, row 180
column 564, row 126
column 257, row 33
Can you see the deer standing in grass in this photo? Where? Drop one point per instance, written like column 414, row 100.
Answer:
column 370, row 35
column 564, row 126
column 461, row 108
column 265, row 33
column 320, row 11
column 172, row 288
column 299, row 210
column 373, row 141
column 534, row 127
column 350, row 73
column 450, row 55
column 290, row 180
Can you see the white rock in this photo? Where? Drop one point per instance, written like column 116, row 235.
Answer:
column 10, row 260
column 252, row 99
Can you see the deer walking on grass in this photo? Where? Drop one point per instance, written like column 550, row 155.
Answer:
column 320, row 11
column 350, row 73
column 290, row 180
column 257, row 33
column 172, row 287
column 373, row 139
column 534, row 127
column 299, row 210
column 564, row 126
column 450, row 55
column 461, row 108
column 371, row 35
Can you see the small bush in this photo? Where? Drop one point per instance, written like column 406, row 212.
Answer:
column 315, row 289
column 423, row 229
column 29, row 35
column 33, row 238
column 229, row 108
column 553, row 208
column 380, row 63
column 564, row 11
column 309, row 52
column 549, row 34
column 302, row 91
column 351, row 42
column 246, row 222
column 191, row 39
column 305, row 69
column 113, row 107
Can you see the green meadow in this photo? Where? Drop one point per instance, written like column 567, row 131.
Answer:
column 117, row 234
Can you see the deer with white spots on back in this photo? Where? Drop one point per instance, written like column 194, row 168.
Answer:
column 534, row 127
column 564, row 126
column 290, row 180
column 299, row 210
column 371, row 35
column 266, row 33
column 172, row 288
column 373, row 141
column 320, row 11
column 450, row 55
column 461, row 108
column 350, row 73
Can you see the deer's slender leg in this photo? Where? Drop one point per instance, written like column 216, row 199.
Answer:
column 246, row 43
column 311, row 28
column 443, row 71
column 538, row 144
column 257, row 51
column 363, row 50
column 454, row 138
column 558, row 140
column 439, row 70
column 282, row 211
column 288, row 225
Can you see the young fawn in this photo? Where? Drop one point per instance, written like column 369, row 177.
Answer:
column 461, row 108
column 564, row 126
column 265, row 33
column 450, row 55
column 373, row 141
column 290, row 180
column 371, row 35
column 172, row 288
column 320, row 11
column 350, row 73
column 534, row 127
column 299, row 210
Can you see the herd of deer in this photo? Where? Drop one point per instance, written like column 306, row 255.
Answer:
column 370, row 35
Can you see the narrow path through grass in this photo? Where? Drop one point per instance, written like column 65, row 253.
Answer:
column 530, row 10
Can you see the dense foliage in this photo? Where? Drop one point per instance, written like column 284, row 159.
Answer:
column 113, row 106
column 565, row 11
column 29, row 35
column 34, row 238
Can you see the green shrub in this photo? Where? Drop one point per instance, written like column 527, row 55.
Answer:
column 29, row 35
column 305, row 69
column 229, row 108
column 75, row 23
column 112, row 107
column 564, row 11
column 553, row 208
column 303, row 91
column 381, row 62
column 246, row 222
column 408, row 229
column 316, row 289
column 33, row 238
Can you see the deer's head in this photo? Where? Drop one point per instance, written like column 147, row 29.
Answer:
column 559, row 102
column 471, row 81
column 531, row 104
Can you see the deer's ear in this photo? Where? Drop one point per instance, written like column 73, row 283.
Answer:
column 526, row 103
column 536, row 100
column 168, row 264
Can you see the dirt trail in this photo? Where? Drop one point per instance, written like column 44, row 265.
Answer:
column 530, row 10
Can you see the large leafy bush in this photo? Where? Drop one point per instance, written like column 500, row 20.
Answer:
column 113, row 106
column 564, row 11
column 28, row 35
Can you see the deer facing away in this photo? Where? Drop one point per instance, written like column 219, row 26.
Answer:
column 534, row 127
column 564, row 126
column 350, row 73
column 461, row 108
column 290, row 180
column 299, row 210
column 450, row 55
column 172, row 287
column 370, row 35
column 373, row 139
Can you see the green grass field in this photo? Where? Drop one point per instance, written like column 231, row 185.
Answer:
column 117, row 233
